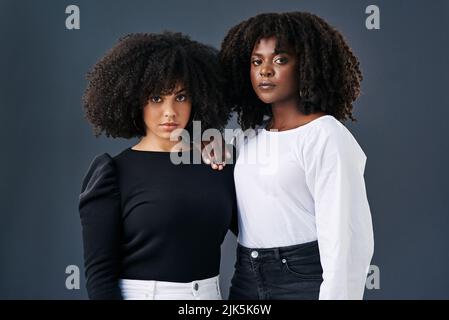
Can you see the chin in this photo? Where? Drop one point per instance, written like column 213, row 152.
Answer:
column 265, row 99
column 164, row 135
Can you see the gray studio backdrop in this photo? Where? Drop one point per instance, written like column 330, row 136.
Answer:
column 47, row 146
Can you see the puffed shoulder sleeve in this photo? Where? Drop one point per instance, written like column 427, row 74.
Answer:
column 100, row 213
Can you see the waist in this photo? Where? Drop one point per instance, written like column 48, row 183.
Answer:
column 299, row 251
column 164, row 263
column 156, row 287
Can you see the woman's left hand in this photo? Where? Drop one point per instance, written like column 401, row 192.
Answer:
column 215, row 153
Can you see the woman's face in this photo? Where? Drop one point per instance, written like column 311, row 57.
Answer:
column 165, row 113
column 274, row 74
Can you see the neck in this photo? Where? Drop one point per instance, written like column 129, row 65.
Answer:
column 286, row 115
column 152, row 142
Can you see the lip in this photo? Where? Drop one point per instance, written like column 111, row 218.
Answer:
column 266, row 85
column 169, row 125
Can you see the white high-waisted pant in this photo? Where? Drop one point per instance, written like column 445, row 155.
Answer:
column 206, row 289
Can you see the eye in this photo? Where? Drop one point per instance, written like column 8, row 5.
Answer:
column 281, row 60
column 181, row 97
column 256, row 62
column 155, row 99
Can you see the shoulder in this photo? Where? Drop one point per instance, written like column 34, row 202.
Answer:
column 328, row 135
column 100, row 176
column 327, row 127
column 100, row 165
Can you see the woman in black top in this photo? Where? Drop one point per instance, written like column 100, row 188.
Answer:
column 152, row 228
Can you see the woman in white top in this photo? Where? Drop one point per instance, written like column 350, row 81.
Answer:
column 305, row 229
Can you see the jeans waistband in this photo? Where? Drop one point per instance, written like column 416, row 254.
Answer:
column 303, row 250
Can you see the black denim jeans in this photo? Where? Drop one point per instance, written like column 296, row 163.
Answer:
column 284, row 273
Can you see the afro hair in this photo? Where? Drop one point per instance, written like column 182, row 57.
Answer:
column 145, row 64
column 328, row 72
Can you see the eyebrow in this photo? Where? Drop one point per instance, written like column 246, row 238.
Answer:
column 275, row 52
column 181, row 90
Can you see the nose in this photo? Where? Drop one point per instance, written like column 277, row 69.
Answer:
column 169, row 111
column 266, row 71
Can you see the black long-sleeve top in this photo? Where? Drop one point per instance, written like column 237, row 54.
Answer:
column 145, row 218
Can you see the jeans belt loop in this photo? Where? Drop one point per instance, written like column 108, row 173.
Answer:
column 276, row 253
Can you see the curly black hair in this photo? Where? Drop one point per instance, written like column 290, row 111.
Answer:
column 141, row 65
column 329, row 73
